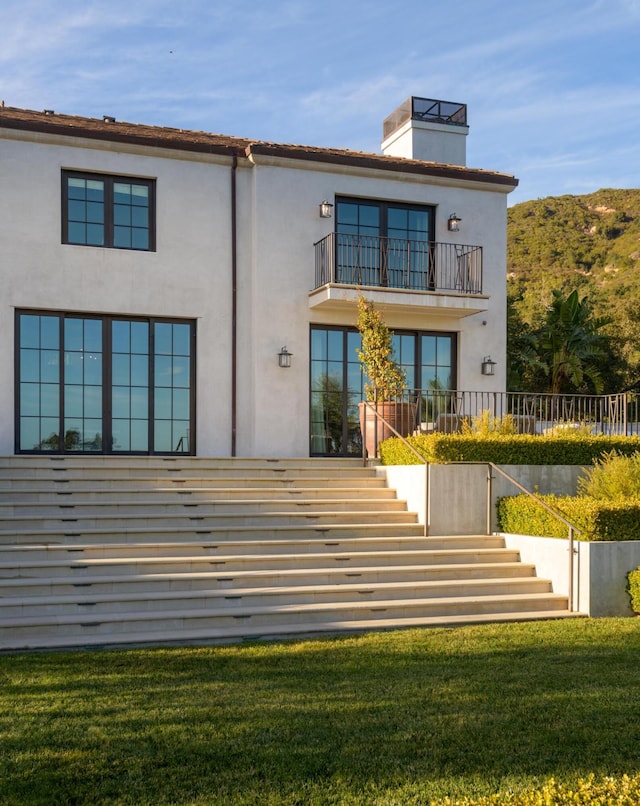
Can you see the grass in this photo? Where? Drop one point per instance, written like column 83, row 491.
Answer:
column 390, row 718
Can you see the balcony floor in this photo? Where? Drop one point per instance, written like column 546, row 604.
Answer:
column 334, row 296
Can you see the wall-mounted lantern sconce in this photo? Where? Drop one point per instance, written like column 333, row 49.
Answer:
column 488, row 367
column 453, row 223
column 326, row 209
column 284, row 358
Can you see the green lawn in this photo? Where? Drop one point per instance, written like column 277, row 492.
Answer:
column 391, row 718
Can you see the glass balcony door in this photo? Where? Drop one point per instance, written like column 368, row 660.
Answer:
column 384, row 244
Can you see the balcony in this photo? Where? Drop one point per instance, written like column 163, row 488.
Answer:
column 440, row 277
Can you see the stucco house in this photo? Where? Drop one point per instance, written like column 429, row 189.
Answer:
column 168, row 291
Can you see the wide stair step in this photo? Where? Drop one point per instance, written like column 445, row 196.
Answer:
column 98, row 551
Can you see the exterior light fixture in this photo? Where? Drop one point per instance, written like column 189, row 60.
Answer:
column 326, row 209
column 488, row 366
column 453, row 223
column 284, row 358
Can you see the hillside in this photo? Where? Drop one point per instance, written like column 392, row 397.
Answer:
column 591, row 243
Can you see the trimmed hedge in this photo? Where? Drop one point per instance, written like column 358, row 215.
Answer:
column 597, row 520
column 633, row 588
column 508, row 449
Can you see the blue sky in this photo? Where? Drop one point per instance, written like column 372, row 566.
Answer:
column 552, row 86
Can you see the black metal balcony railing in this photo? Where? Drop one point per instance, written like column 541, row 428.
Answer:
column 374, row 261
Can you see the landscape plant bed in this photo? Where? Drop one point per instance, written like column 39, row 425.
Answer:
column 399, row 718
column 596, row 520
column 506, row 449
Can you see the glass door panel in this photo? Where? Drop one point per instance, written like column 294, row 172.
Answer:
column 172, row 387
column 130, row 386
column 336, row 390
column 82, row 373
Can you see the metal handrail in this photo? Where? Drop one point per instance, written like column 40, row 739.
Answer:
column 572, row 529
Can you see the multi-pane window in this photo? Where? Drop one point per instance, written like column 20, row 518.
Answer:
column 384, row 244
column 428, row 361
column 104, row 384
column 111, row 211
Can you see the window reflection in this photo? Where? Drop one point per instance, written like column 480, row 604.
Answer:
column 62, row 401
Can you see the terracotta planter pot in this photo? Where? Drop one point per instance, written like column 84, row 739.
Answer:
column 401, row 416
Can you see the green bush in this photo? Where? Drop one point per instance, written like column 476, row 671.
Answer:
column 623, row 791
column 596, row 520
column 507, row 449
column 612, row 477
column 633, row 589
column 485, row 424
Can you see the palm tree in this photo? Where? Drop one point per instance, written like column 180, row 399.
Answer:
column 525, row 368
column 571, row 343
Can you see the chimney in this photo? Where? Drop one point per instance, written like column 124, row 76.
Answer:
column 429, row 130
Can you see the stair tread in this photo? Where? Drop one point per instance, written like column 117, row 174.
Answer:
column 222, row 593
column 378, row 605
column 352, row 539
column 243, row 632
column 255, row 573
column 219, row 558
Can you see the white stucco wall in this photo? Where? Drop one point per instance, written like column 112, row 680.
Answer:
column 189, row 274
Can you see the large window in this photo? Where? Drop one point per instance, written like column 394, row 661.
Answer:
column 112, row 211
column 384, row 244
column 104, row 384
column 336, row 384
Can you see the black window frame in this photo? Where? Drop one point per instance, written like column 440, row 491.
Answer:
column 384, row 205
column 109, row 181
column 345, row 330
column 107, row 382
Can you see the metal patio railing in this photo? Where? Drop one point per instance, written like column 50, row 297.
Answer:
column 531, row 413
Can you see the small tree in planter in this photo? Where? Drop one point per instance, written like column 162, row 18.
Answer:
column 386, row 380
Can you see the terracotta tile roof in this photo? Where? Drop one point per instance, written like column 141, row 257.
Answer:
column 205, row 142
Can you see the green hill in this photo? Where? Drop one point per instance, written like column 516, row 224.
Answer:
column 590, row 243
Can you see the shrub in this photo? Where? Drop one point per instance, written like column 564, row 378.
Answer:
column 507, row 449
column 596, row 520
column 485, row 424
column 633, row 589
column 612, row 477
column 623, row 791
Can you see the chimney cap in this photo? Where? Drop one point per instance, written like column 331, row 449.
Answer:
column 428, row 110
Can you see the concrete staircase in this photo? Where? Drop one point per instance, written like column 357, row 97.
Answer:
column 99, row 551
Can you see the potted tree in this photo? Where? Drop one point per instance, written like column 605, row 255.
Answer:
column 386, row 381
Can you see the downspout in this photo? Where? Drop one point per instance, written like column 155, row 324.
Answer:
column 234, row 306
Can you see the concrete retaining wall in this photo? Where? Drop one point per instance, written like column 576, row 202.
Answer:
column 458, row 505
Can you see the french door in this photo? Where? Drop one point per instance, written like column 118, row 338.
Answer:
column 104, row 384
column 384, row 244
column 428, row 360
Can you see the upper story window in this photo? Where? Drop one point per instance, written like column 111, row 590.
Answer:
column 112, row 211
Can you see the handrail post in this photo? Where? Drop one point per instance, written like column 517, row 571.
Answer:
column 364, row 436
column 570, row 597
column 489, row 495
column 427, row 499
